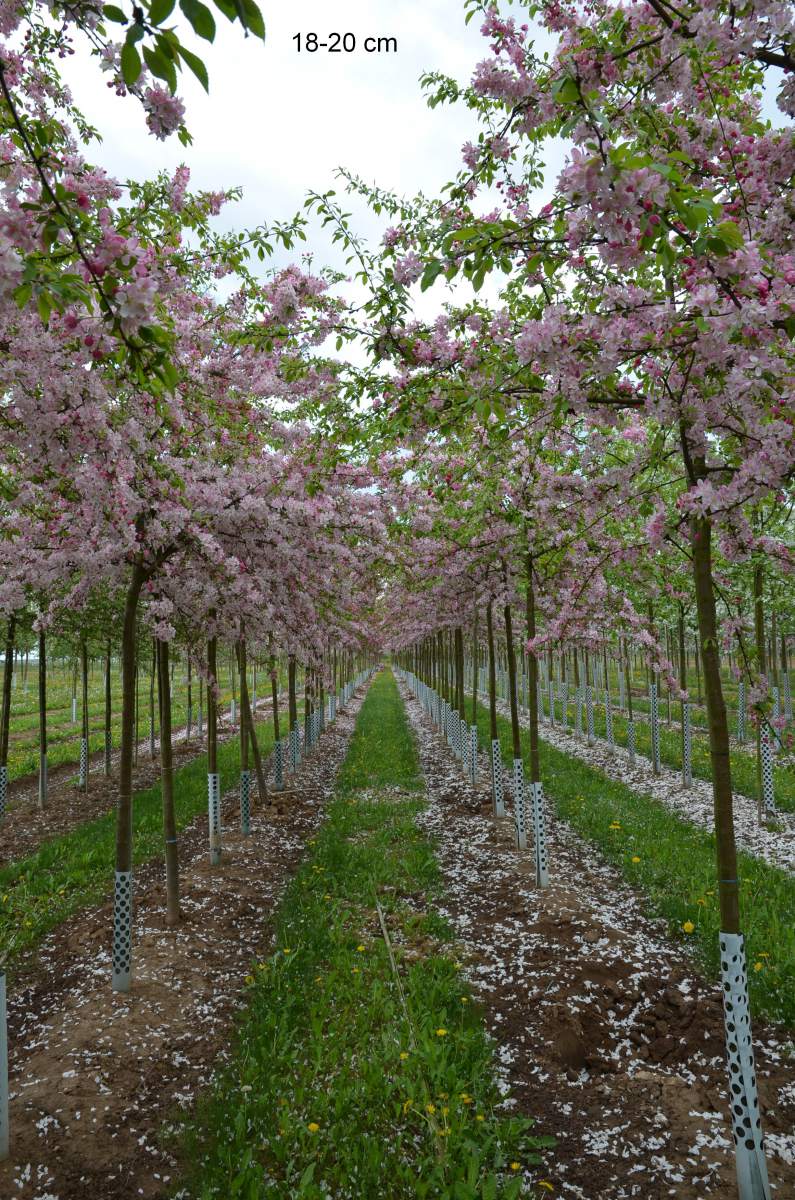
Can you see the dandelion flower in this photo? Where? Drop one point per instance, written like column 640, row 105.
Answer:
column 636, row 858
column 515, row 1166
column 431, row 1108
column 360, row 948
column 441, row 1033
column 479, row 1117
column 759, row 966
column 313, row 1127
column 688, row 926
column 404, row 1054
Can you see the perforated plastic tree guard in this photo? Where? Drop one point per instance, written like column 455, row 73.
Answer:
column 245, row 802
column 540, row 835
column 496, row 778
column 687, row 747
column 214, row 816
column 520, row 815
column 122, row 931
column 752, row 1182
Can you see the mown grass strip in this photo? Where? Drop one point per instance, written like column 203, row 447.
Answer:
column 74, row 871
column 673, row 864
column 327, row 1092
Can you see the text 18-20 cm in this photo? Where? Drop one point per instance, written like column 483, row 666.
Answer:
column 344, row 43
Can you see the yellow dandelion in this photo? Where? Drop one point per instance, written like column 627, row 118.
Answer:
column 360, row 948
column 688, row 926
column 701, row 900
column 636, row 858
column 354, row 970
column 431, row 1108
column 249, row 979
column 465, row 999
column 759, row 966
column 313, row 1127
column 404, row 1054
column 441, row 1033
column 479, row 1117
column 516, row 1166
column 286, row 950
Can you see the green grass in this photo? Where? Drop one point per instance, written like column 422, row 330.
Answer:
column 331, row 1090
column 73, row 871
column 676, row 870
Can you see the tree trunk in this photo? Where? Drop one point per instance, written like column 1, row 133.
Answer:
column 213, row 781
column 246, row 716
column 84, row 758
column 42, row 719
column 108, row 716
column 167, row 787
column 122, row 940
column 5, row 715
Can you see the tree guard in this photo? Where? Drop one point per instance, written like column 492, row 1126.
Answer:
column 687, row 745
column 245, row 802
column 214, row 815
column 611, row 741
column 752, row 1182
column 4, row 1127
column 122, row 931
column 589, row 714
column 655, row 728
column 3, row 790
column 83, row 763
column 578, row 711
column 540, row 835
column 473, row 754
column 768, row 796
column 497, row 787
column 520, row 815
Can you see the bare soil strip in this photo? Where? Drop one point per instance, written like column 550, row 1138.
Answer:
column 95, row 1076
column 607, row 1033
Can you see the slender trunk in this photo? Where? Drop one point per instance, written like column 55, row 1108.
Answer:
column 492, row 672
column 245, row 716
column 122, row 943
column 189, row 713
column 8, row 674
column 761, row 666
column 213, row 781
column 511, row 656
column 107, row 709
column 167, row 787
column 84, row 715
column 152, row 675
column 475, row 666
column 42, row 719
column 532, row 682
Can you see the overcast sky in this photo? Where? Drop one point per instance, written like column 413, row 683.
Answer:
column 279, row 122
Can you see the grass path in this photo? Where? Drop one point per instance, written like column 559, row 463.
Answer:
column 343, row 1081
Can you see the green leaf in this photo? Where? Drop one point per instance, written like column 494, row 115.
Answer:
column 252, row 18
column 130, row 64
column 200, row 17
column 112, row 13
column 730, row 234
column 160, row 66
column 197, row 66
column 159, row 10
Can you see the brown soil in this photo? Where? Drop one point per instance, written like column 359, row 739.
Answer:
column 95, row 1075
column 607, row 1035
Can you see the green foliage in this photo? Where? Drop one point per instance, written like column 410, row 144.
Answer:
column 331, row 1089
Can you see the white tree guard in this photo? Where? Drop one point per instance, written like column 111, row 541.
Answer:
column 631, row 740
column 4, row 1126
column 540, row 835
column 295, row 749
column 83, row 762
column 622, row 699
column 752, row 1182
column 122, row 931
column 787, row 697
column 278, row 766
column 565, row 702
column 214, row 816
column 578, row 712
column 519, row 810
column 655, row 728
column 611, row 741
column 42, row 780
column 768, row 796
column 687, row 748
column 3, row 791
column 741, row 711
column 589, row 715
column 74, row 710
column 245, row 802
column 497, row 785
column 540, row 701
column 473, row 754
column 551, row 701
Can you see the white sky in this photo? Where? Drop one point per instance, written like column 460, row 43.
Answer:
column 279, row 122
